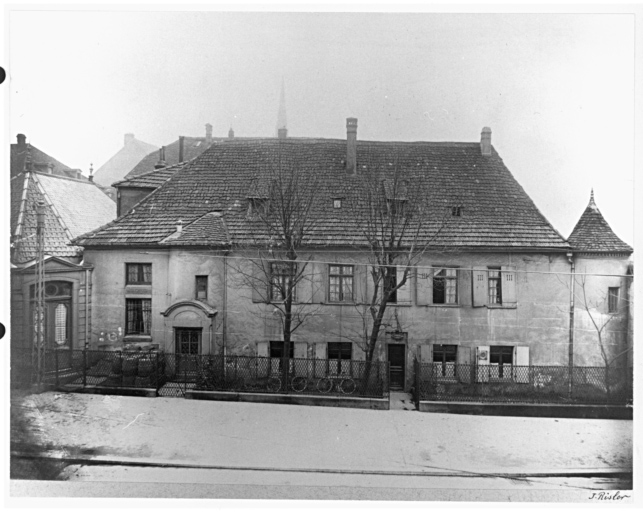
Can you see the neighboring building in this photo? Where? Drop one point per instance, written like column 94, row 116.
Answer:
column 181, row 150
column 25, row 154
column 487, row 293
column 602, row 292
column 132, row 152
column 72, row 207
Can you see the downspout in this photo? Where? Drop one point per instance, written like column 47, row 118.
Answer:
column 570, row 257
column 87, row 296
column 224, row 320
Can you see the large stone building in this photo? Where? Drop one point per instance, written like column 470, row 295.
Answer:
column 491, row 287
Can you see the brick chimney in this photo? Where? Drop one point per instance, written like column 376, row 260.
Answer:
column 91, row 172
column 231, row 133
column 282, row 133
column 161, row 163
column 351, row 145
column 129, row 138
column 485, row 141
column 22, row 140
column 208, row 133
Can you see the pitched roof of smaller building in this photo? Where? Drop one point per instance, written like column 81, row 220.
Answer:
column 72, row 207
column 132, row 152
column 593, row 234
column 192, row 147
column 211, row 228
column 152, row 179
column 21, row 154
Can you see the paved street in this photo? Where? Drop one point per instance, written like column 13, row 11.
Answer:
column 263, row 444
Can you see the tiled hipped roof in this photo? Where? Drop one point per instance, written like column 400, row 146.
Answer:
column 593, row 234
column 497, row 213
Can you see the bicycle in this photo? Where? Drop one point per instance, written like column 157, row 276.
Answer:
column 345, row 385
column 297, row 383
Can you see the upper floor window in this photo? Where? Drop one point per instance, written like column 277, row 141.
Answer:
column 445, row 286
column 202, row 287
column 139, row 273
column 495, row 285
column 282, row 275
column 340, row 285
column 612, row 300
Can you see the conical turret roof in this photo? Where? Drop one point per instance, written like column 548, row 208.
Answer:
column 593, row 234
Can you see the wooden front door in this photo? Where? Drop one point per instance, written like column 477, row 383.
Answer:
column 397, row 365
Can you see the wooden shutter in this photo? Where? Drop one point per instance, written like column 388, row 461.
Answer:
column 259, row 282
column 464, row 366
column 262, row 349
column 426, row 354
column 300, row 350
column 482, row 363
column 480, row 286
column 321, row 349
column 304, row 288
column 369, row 284
column 423, row 286
column 521, row 364
column 359, row 283
column 508, row 285
column 404, row 292
column 464, row 287
column 316, row 277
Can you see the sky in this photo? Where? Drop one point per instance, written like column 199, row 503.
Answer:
column 557, row 90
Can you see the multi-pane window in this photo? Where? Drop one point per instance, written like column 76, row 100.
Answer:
column 445, row 286
column 495, row 286
column 612, row 300
column 501, row 357
column 188, row 340
column 282, row 275
column 444, row 357
column 340, row 286
column 61, row 318
column 339, row 354
column 202, row 287
column 139, row 273
column 138, row 319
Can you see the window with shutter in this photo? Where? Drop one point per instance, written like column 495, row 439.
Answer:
column 479, row 286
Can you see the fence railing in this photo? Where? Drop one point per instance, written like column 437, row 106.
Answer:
column 175, row 373
column 522, row 384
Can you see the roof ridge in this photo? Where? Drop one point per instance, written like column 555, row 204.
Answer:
column 23, row 201
column 58, row 176
column 179, row 165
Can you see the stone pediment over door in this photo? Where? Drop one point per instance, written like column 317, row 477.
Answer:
column 189, row 313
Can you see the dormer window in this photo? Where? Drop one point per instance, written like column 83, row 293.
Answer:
column 396, row 206
column 337, row 203
column 456, row 211
column 258, row 206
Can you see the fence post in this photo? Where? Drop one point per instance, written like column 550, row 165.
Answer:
column 156, row 372
column 84, row 368
column 56, row 366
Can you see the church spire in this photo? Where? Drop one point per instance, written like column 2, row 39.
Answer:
column 282, row 129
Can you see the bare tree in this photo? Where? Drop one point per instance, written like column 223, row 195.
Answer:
column 601, row 317
column 281, row 214
column 398, row 224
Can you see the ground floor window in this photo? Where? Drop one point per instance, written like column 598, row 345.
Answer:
column 339, row 355
column 444, row 359
column 188, row 340
column 501, row 359
column 138, row 318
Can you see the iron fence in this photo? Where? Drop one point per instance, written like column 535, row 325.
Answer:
column 522, row 384
column 174, row 374
column 301, row 376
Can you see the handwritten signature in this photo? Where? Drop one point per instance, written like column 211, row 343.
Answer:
column 610, row 496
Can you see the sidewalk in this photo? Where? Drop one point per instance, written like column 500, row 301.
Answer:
column 233, row 435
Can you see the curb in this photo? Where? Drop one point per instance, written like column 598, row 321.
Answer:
column 151, row 463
